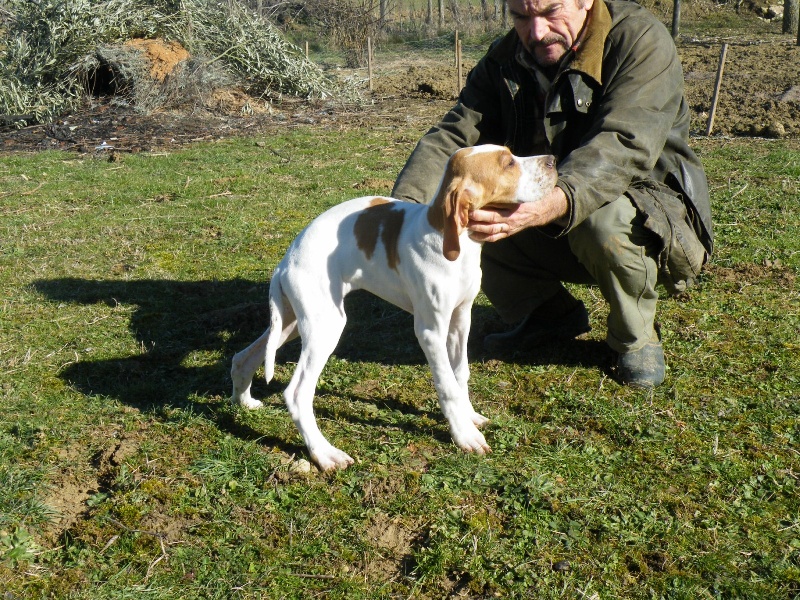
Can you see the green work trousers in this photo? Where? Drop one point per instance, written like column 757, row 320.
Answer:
column 610, row 249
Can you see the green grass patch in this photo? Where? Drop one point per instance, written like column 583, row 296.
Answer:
column 128, row 286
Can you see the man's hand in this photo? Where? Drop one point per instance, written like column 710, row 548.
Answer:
column 492, row 223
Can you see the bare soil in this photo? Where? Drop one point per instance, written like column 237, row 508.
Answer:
column 759, row 97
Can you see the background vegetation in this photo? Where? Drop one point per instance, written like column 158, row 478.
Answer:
column 53, row 53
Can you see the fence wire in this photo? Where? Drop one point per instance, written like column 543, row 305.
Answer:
column 434, row 57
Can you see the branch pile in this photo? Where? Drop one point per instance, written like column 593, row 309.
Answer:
column 50, row 49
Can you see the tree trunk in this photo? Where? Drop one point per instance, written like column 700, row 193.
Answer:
column 676, row 18
column 429, row 16
column 441, row 14
column 790, row 16
column 456, row 12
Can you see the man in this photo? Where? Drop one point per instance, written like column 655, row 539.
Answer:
column 599, row 84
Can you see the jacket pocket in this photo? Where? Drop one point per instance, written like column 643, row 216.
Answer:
column 682, row 254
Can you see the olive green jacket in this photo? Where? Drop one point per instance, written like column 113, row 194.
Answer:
column 615, row 117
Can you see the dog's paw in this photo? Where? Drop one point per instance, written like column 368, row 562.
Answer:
column 479, row 420
column 331, row 459
column 246, row 401
column 471, row 440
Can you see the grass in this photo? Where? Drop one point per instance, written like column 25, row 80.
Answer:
column 127, row 287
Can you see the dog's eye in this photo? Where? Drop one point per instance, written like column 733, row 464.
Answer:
column 510, row 163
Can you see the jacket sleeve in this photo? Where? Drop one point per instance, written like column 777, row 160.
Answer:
column 463, row 125
column 641, row 95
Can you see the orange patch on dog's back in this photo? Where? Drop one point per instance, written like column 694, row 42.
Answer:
column 382, row 218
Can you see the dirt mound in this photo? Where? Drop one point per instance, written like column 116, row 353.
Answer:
column 162, row 56
column 419, row 81
column 758, row 93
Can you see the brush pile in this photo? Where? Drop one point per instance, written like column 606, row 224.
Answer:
column 53, row 52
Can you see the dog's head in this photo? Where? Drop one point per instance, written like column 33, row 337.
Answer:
column 481, row 175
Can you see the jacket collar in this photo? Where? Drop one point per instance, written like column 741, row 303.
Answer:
column 588, row 57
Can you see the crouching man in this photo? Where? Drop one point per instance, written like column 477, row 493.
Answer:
column 597, row 83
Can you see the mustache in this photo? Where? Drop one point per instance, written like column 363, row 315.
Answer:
column 551, row 39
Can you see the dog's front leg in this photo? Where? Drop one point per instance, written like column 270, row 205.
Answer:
column 453, row 400
column 457, row 339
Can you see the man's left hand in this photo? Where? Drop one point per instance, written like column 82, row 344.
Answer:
column 492, row 223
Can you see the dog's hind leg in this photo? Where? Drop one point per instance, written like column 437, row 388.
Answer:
column 283, row 327
column 243, row 367
column 320, row 336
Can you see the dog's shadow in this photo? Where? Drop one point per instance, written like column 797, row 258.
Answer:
column 189, row 330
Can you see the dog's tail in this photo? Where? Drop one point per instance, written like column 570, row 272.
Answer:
column 282, row 325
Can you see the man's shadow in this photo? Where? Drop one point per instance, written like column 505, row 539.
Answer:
column 189, row 330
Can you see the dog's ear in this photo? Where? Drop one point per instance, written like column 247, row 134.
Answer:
column 456, row 216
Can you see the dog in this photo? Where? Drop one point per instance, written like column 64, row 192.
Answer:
column 417, row 256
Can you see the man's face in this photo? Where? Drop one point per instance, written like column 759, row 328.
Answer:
column 548, row 28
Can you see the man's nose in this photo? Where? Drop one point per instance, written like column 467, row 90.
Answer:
column 538, row 28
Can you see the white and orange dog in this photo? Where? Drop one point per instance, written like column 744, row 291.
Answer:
column 416, row 256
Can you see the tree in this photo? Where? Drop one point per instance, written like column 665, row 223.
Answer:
column 485, row 10
column 676, row 18
column 790, row 17
column 454, row 9
column 347, row 24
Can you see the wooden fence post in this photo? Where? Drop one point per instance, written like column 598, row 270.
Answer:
column 715, row 98
column 459, row 76
column 369, row 62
